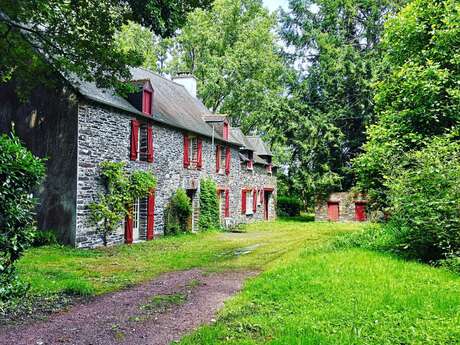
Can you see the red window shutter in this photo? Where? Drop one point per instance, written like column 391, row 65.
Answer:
column 226, row 131
column 254, row 200
column 243, row 201
column 149, row 144
column 128, row 229
column 186, row 148
column 199, row 160
column 218, row 153
column 227, row 203
column 147, row 97
column 228, row 157
column 150, row 215
column 134, row 139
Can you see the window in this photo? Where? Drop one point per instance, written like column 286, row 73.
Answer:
column 141, row 142
column 136, row 216
column 193, row 152
column 249, row 202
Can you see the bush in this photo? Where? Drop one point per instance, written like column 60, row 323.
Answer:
column 20, row 173
column 177, row 213
column 44, row 238
column 288, row 206
column 209, row 206
column 424, row 201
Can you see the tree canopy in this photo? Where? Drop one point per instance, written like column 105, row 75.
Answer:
column 419, row 96
column 78, row 36
column 334, row 46
column 232, row 51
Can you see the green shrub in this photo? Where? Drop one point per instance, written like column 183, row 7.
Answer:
column 424, row 201
column 44, row 238
column 287, row 206
column 20, row 173
column 177, row 213
column 209, row 206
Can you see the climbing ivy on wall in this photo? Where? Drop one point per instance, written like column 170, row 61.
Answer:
column 177, row 213
column 209, row 206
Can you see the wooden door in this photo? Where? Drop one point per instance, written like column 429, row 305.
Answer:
column 266, row 200
column 333, row 211
column 360, row 211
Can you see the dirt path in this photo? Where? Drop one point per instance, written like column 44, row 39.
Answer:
column 154, row 313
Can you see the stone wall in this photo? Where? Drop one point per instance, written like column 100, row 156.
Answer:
column 104, row 135
column 347, row 202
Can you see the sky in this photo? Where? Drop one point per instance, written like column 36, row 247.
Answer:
column 274, row 4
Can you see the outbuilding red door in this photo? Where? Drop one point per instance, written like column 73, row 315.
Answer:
column 360, row 211
column 333, row 211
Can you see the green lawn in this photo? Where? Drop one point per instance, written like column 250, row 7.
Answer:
column 87, row 272
column 308, row 293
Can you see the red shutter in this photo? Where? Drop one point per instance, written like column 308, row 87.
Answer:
column 254, row 200
column 243, row 201
column 128, row 229
column 227, row 160
column 199, row 160
column 149, row 144
column 147, row 97
column 226, row 132
column 227, row 203
column 150, row 215
column 134, row 139
column 218, row 153
column 186, row 157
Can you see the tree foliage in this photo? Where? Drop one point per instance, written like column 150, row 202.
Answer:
column 77, row 37
column 121, row 190
column 209, row 205
column 333, row 45
column 231, row 49
column 424, row 196
column 20, row 173
column 419, row 96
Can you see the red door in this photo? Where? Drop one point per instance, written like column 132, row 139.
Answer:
column 333, row 211
column 360, row 211
column 266, row 200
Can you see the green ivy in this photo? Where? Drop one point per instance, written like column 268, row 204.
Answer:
column 121, row 190
column 209, row 206
column 177, row 213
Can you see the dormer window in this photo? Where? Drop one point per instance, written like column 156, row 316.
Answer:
column 147, row 97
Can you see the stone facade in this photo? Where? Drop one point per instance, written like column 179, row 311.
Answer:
column 348, row 207
column 104, row 135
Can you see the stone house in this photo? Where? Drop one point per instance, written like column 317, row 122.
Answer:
column 342, row 206
column 163, row 128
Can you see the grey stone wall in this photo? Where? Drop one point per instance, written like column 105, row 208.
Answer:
column 346, row 202
column 104, row 135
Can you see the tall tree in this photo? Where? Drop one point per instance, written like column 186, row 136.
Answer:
column 232, row 51
column 419, row 96
column 333, row 44
column 78, row 36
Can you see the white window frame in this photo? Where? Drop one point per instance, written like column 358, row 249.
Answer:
column 136, row 218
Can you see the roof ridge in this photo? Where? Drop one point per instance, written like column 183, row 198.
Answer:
column 160, row 76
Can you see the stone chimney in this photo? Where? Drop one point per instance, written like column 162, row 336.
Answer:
column 188, row 81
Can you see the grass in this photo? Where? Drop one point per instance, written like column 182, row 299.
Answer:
column 57, row 269
column 351, row 296
column 163, row 302
column 307, row 293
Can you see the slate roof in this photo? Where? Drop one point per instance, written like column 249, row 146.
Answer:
column 175, row 107
column 259, row 146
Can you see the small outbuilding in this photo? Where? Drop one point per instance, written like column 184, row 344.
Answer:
column 342, row 206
